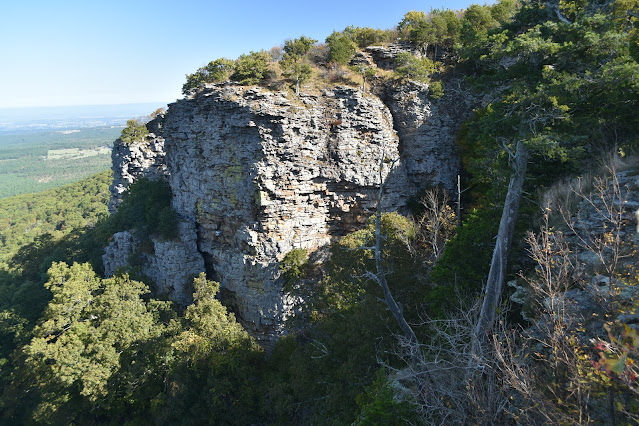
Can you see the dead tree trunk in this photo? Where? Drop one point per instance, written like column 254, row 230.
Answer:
column 416, row 360
column 380, row 273
column 499, row 262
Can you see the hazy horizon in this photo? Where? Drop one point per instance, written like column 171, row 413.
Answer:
column 44, row 118
column 82, row 105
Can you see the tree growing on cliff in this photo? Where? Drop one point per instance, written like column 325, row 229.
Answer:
column 366, row 36
column 410, row 67
column 252, row 68
column 133, row 132
column 411, row 20
column 340, row 48
column 367, row 72
column 293, row 61
column 299, row 47
column 214, row 72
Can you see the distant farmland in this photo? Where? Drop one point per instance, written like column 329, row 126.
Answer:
column 33, row 162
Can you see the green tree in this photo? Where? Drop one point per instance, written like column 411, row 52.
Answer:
column 447, row 27
column 366, row 36
column 410, row 20
column 367, row 72
column 410, row 67
column 422, row 34
column 504, row 10
column 341, row 48
column 294, row 266
column 133, row 132
column 293, row 61
column 77, row 347
column 476, row 22
column 214, row 366
column 215, row 71
column 299, row 47
column 252, row 68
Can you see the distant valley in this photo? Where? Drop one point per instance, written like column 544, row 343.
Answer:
column 46, row 147
column 35, row 161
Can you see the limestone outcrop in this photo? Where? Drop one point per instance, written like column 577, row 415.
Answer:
column 135, row 160
column 427, row 130
column 170, row 264
column 385, row 57
column 117, row 253
column 255, row 174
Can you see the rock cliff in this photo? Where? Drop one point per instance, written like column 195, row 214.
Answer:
column 138, row 159
column 255, row 174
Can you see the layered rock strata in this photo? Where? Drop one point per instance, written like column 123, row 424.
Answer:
column 170, row 264
column 427, row 129
column 255, row 174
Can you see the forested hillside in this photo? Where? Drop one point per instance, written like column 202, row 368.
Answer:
column 392, row 323
column 33, row 162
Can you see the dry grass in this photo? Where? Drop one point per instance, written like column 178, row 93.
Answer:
column 563, row 196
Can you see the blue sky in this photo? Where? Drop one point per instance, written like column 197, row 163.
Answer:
column 89, row 52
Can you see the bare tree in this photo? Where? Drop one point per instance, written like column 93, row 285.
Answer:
column 551, row 344
column 437, row 224
column 379, row 276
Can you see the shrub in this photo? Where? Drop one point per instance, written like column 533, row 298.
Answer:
column 366, row 36
column 341, row 48
column 252, row 68
column 294, row 266
column 436, row 89
column 216, row 71
column 167, row 223
column 410, row 67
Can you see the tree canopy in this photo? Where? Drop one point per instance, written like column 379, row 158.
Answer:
column 341, row 48
column 252, row 68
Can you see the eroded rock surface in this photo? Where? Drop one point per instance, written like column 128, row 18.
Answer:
column 171, row 264
column 427, row 130
column 117, row 253
column 258, row 173
column 385, row 57
column 135, row 160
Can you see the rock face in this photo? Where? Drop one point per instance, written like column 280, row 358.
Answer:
column 170, row 264
column 427, row 130
column 385, row 57
column 255, row 174
column 117, row 253
column 135, row 160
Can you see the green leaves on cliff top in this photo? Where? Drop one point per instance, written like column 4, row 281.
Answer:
column 214, row 72
column 564, row 81
column 133, row 132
